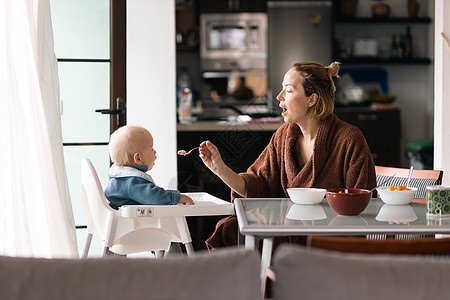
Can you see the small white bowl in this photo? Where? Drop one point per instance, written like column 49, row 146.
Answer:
column 306, row 195
column 396, row 197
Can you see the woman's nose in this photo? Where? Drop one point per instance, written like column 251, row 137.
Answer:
column 279, row 97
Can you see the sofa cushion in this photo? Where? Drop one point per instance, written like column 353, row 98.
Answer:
column 226, row 274
column 320, row 274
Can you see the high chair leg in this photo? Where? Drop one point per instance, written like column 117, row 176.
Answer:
column 87, row 245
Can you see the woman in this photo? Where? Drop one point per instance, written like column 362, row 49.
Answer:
column 313, row 149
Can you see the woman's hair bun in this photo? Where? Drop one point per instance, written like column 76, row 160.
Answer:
column 334, row 68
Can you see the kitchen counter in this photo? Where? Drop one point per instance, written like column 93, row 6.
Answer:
column 225, row 125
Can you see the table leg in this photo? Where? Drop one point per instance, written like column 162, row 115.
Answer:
column 189, row 249
column 266, row 255
column 240, row 239
column 250, row 242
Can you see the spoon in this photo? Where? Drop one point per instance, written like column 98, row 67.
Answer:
column 383, row 183
column 184, row 153
column 409, row 175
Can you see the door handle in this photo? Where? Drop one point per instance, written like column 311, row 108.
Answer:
column 120, row 112
column 109, row 111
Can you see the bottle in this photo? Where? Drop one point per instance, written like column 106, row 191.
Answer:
column 401, row 46
column 394, row 46
column 184, row 96
column 408, row 43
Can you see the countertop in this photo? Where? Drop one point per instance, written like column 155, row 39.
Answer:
column 226, row 125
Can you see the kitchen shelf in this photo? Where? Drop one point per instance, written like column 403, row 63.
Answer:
column 370, row 20
column 378, row 60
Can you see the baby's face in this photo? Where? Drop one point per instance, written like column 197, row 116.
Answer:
column 148, row 155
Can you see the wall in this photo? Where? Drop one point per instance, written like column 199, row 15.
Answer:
column 151, row 80
column 442, row 90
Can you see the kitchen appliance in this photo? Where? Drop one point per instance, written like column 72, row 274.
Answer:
column 298, row 31
column 233, row 62
column 233, row 41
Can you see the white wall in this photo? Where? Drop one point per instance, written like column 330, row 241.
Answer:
column 442, row 90
column 151, row 80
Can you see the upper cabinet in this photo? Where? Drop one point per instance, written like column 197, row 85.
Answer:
column 186, row 26
column 213, row 6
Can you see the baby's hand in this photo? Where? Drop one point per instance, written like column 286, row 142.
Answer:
column 186, row 200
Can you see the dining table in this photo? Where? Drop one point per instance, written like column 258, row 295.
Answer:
column 267, row 218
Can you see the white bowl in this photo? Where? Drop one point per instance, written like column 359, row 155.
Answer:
column 306, row 212
column 306, row 195
column 396, row 197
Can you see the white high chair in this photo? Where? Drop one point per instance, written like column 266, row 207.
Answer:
column 121, row 234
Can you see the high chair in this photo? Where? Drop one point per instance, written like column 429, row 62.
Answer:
column 124, row 235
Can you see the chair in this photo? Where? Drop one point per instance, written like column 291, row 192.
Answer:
column 422, row 246
column 419, row 179
column 126, row 235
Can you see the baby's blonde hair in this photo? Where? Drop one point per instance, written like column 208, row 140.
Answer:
column 126, row 141
column 319, row 79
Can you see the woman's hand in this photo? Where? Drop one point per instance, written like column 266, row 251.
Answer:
column 211, row 156
column 212, row 159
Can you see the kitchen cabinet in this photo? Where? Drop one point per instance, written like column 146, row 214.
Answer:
column 208, row 6
column 186, row 28
column 381, row 128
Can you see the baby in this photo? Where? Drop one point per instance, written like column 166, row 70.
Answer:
column 131, row 150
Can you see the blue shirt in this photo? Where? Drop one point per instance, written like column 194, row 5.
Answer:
column 132, row 186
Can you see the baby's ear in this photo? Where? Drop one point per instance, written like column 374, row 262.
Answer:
column 137, row 158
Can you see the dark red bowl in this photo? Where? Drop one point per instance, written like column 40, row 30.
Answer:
column 348, row 202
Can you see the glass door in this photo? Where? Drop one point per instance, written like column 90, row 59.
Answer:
column 82, row 34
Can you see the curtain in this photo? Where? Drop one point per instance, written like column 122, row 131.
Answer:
column 36, row 218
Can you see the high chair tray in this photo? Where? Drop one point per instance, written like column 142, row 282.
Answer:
column 205, row 205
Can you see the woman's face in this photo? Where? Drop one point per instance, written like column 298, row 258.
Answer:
column 293, row 99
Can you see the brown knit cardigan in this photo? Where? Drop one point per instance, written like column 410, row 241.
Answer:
column 341, row 158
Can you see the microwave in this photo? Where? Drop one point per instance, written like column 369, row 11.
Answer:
column 233, row 41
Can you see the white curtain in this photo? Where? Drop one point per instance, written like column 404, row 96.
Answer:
column 36, row 218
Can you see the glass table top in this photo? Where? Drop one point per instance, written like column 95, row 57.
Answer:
column 280, row 216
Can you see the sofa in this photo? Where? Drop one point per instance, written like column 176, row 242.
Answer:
column 300, row 273
column 226, row 274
